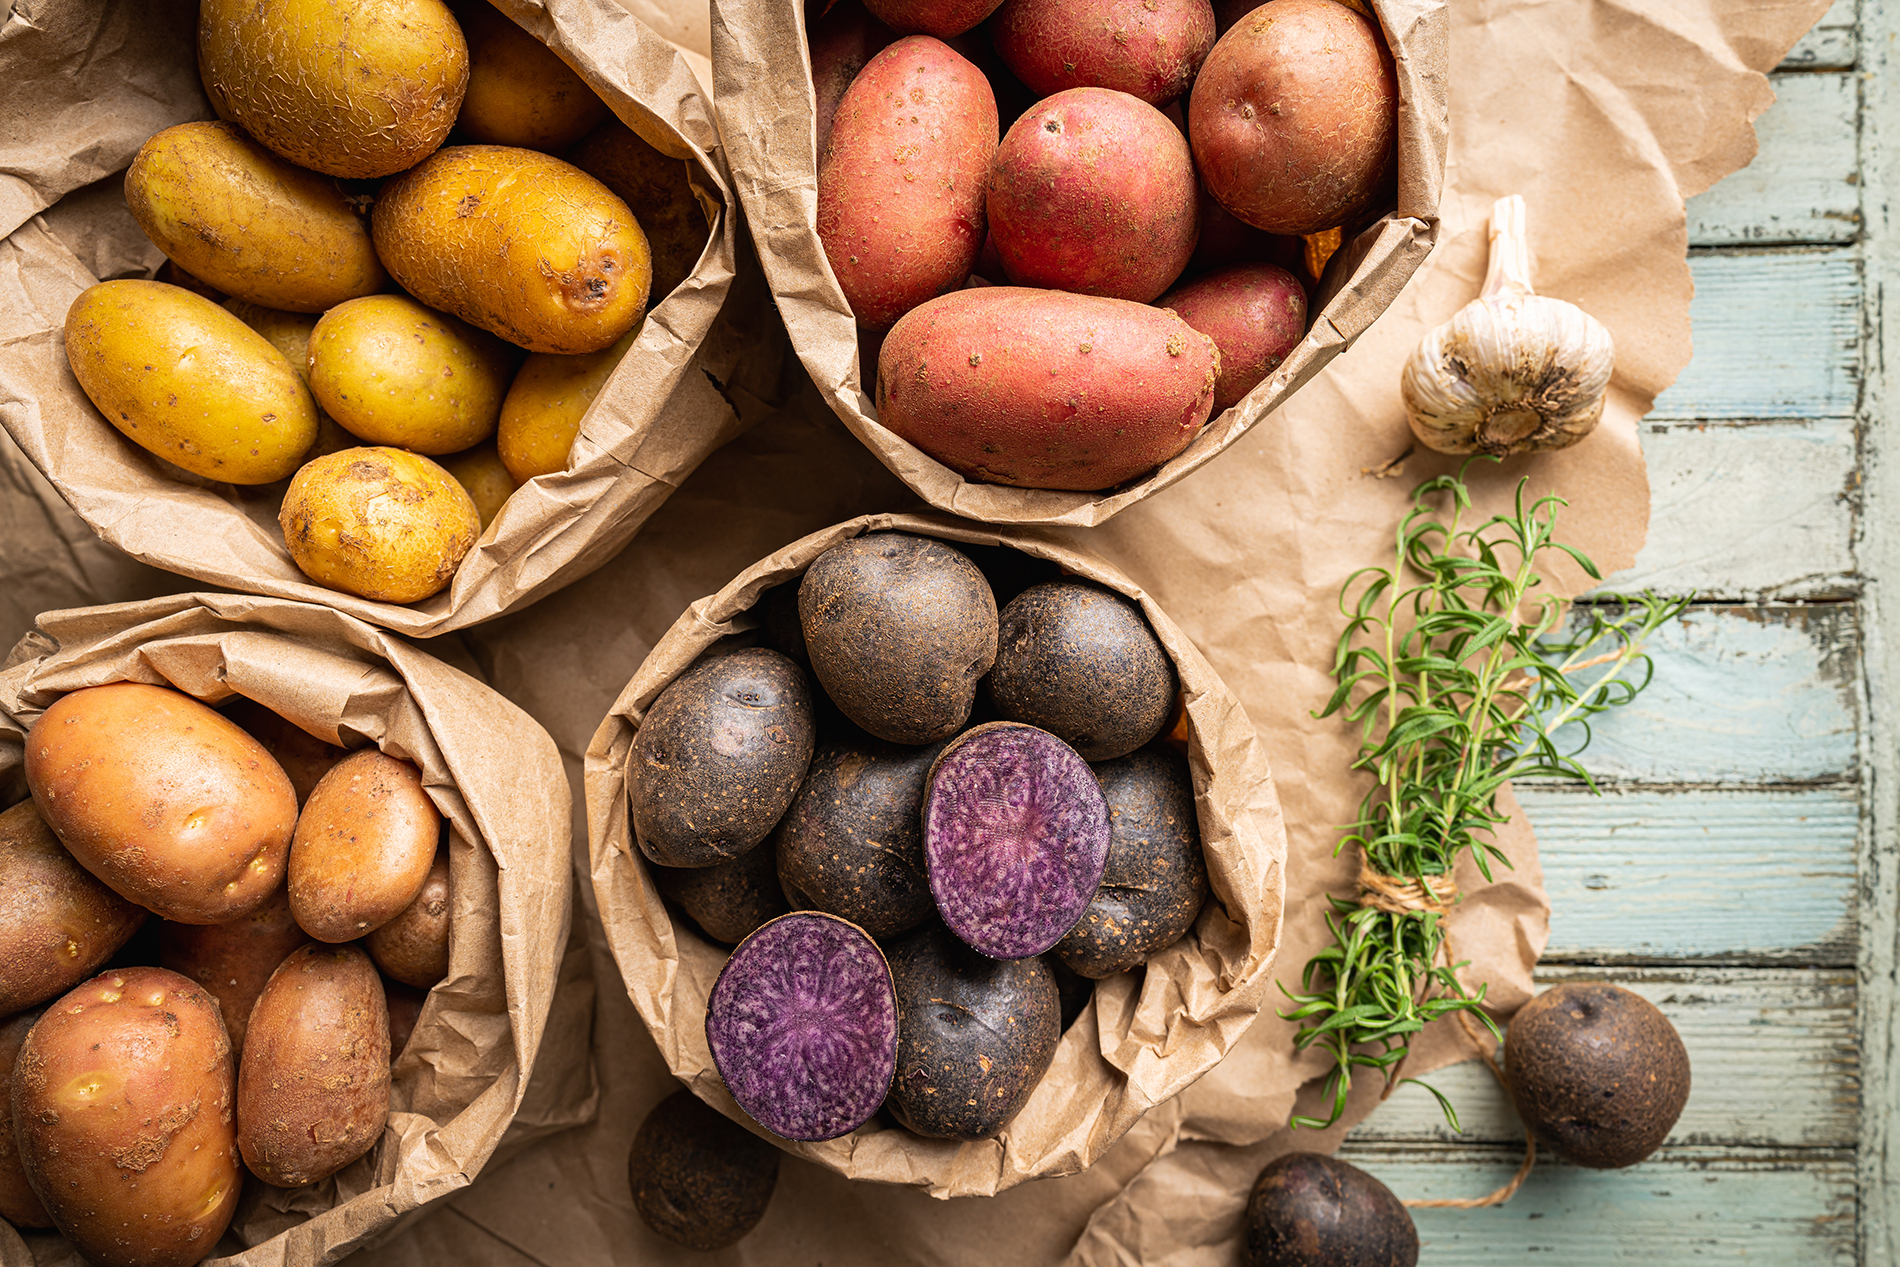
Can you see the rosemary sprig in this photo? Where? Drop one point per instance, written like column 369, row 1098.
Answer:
column 1455, row 670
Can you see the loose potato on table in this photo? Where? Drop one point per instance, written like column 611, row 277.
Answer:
column 379, row 522
column 189, row 382
column 58, row 924
column 347, row 87
column 163, row 798
column 313, row 1086
column 122, row 1096
column 364, row 847
column 256, row 227
column 518, row 243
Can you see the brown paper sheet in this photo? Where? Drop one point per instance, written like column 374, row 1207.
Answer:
column 767, row 109
column 519, row 987
column 689, row 384
column 1144, row 1036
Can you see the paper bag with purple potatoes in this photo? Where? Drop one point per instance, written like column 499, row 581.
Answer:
column 1000, row 852
column 232, row 946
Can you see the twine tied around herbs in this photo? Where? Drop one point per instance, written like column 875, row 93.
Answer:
column 1438, row 895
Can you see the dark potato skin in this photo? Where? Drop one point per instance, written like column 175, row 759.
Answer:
column 900, row 629
column 1311, row 1210
column 699, row 1179
column 123, row 1112
column 1598, row 1071
column 57, row 923
column 852, row 844
column 18, row 1204
column 1156, row 880
column 974, row 1036
column 1079, row 661
column 728, row 899
column 718, row 757
column 233, row 961
column 941, row 18
column 405, row 1009
column 313, row 1086
column 414, row 947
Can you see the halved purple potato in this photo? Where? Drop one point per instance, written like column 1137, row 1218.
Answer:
column 900, row 629
column 852, row 844
column 718, row 757
column 802, row 1023
column 729, row 899
column 1079, row 660
column 699, row 1178
column 1015, row 838
column 975, row 1035
column 1156, row 878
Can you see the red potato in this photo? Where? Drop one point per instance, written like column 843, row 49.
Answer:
column 1294, row 119
column 1042, row 389
column 1225, row 241
column 941, row 18
column 1093, row 191
column 900, row 187
column 1255, row 313
column 1150, row 49
column 842, row 44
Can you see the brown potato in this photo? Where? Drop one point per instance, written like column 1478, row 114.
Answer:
column 313, row 1086
column 234, row 960
column 379, row 522
column 363, row 847
column 57, row 923
column 305, row 758
column 414, row 947
column 405, row 1009
column 519, row 91
column 18, row 1203
column 656, row 188
column 122, row 1096
column 163, row 798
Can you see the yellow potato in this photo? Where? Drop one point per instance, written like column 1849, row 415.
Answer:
column 542, row 413
column 481, row 472
column 393, row 372
column 247, row 222
column 378, row 522
column 288, row 332
column 519, row 92
column 355, row 88
column 659, row 190
column 521, row 244
column 188, row 381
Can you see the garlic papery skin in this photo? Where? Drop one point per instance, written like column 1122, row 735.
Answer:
column 1512, row 371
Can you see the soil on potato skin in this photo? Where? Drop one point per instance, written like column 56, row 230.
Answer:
column 698, row 1178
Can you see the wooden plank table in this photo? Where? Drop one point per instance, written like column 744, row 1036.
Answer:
column 1738, row 872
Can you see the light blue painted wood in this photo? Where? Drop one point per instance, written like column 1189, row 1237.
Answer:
column 1777, row 335
column 1682, row 1206
column 1771, row 1054
column 1764, row 511
column 1740, row 695
column 1710, row 874
column 1833, row 43
column 1804, row 185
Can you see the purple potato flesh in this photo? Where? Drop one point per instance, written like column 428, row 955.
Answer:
column 1016, row 835
column 802, row 1023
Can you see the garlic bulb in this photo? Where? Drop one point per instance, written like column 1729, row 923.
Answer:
column 1511, row 372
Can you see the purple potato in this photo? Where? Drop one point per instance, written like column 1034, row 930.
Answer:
column 1016, row 837
column 975, row 1036
column 802, row 1024
column 900, row 630
column 1079, row 660
column 1156, row 878
column 699, row 1178
column 852, row 844
column 718, row 757
column 1311, row 1210
column 729, row 899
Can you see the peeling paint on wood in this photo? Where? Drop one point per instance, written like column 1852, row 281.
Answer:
column 1804, row 185
column 1832, row 44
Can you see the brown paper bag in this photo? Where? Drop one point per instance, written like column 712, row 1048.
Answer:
column 518, row 985
column 767, row 110
column 1143, row 1038
column 671, row 401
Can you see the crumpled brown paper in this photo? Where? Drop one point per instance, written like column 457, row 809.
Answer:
column 518, row 986
column 87, row 84
column 1144, row 1036
column 767, row 110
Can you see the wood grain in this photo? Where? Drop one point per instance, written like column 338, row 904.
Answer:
column 1804, row 185
column 1832, row 44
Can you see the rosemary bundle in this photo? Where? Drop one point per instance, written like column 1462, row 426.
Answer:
column 1459, row 676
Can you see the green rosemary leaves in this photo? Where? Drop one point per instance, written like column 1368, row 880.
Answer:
column 1462, row 679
